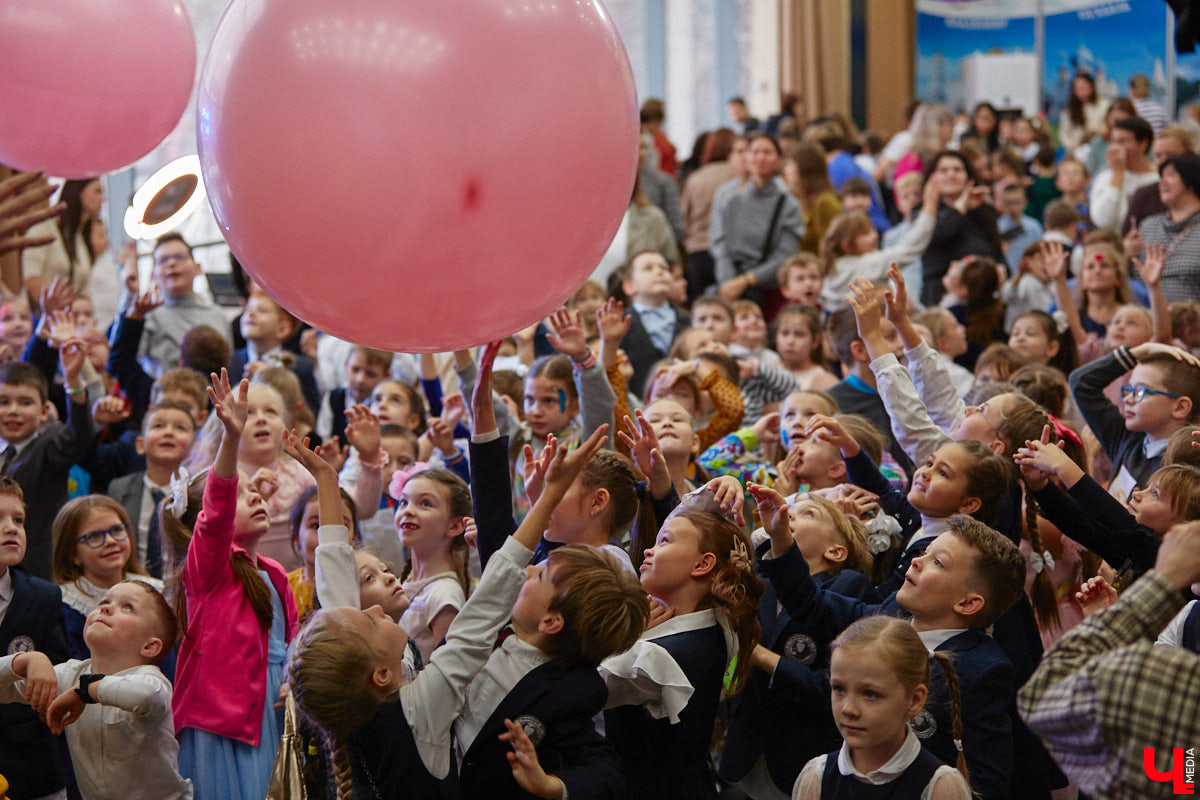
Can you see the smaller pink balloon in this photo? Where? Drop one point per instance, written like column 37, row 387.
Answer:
column 91, row 87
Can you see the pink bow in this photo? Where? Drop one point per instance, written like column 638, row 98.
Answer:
column 402, row 476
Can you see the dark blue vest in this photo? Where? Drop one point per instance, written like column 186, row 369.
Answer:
column 910, row 784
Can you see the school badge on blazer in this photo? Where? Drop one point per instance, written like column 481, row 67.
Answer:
column 923, row 724
column 802, row 648
column 20, row 644
column 534, row 728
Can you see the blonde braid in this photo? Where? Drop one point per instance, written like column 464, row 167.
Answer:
column 947, row 667
column 343, row 773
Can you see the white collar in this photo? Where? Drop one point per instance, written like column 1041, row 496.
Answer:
column 931, row 528
column 6, row 586
column 83, row 595
column 697, row 620
column 517, row 647
column 891, row 770
column 1157, row 448
column 935, row 639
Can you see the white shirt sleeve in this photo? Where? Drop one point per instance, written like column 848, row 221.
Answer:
column 336, row 573
column 145, row 693
column 646, row 675
column 808, row 784
column 912, row 426
column 1107, row 205
column 1172, row 635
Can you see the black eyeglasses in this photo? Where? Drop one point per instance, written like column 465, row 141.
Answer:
column 1139, row 392
column 94, row 539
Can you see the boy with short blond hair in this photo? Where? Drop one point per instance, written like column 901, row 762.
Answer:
column 115, row 703
column 801, row 280
column 265, row 326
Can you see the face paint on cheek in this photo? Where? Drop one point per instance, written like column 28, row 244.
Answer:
column 783, row 437
column 562, row 401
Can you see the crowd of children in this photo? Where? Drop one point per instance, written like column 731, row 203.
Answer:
column 805, row 537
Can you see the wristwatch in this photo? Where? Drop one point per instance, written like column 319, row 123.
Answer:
column 85, row 681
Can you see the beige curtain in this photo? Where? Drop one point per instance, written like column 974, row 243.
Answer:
column 814, row 54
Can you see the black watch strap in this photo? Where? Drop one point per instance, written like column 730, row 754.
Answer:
column 85, row 681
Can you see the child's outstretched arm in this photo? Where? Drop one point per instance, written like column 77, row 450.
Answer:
column 335, row 571
column 362, row 433
column 596, row 398
column 727, row 456
column 435, row 697
column 212, row 536
column 467, row 372
column 28, row 678
column 1055, row 258
column 1151, row 272
column 491, row 484
column 144, row 694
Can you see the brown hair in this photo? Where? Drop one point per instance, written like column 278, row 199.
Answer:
column 555, row 368
column 167, row 405
column 1044, row 385
column 812, row 169
column 1067, row 357
column 984, row 310
column 416, row 402
column 1180, row 484
column 1099, row 251
column 989, row 477
column 842, row 330
column 1179, row 448
column 810, row 315
column 458, row 500
column 735, row 588
column 329, row 673
column 376, row 358
column 176, row 536
column 713, row 300
column 508, row 384
column 21, row 373
column 204, row 350
column 603, row 606
column 296, row 515
column 166, row 626
column 1061, row 214
column 613, row 472
column 998, row 571
column 66, row 532
column 181, row 379
column 286, row 384
column 844, row 229
column 1179, row 377
column 799, row 260
column 1003, row 358
column 11, row 487
column 903, row 650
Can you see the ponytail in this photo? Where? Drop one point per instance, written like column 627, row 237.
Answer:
column 736, row 590
column 1043, row 595
column 947, row 666
column 343, row 773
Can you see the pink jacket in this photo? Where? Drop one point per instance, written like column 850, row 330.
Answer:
column 221, row 678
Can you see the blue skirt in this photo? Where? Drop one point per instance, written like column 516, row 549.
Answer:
column 221, row 768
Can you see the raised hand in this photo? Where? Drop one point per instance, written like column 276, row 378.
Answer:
column 830, row 430
column 727, row 493
column 566, row 334
column 533, row 474
column 483, row 415
column 766, row 430
column 143, row 304
column 1095, row 594
column 71, row 355
column 20, row 196
column 1152, row 348
column 265, row 482
column 1152, row 269
column 787, row 479
column 1048, row 459
column 110, row 409
column 896, row 299
column 60, row 326
column 362, row 432
column 775, row 515
column 644, row 450
column 854, row 500
column 867, row 311
column 230, row 406
column 311, row 459
column 565, row 467
column 56, row 297
column 1055, row 258
column 440, row 435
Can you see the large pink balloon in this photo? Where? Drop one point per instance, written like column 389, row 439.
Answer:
column 89, row 87
column 418, row 175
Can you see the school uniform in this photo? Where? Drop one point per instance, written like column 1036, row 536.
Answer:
column 986, row 677
column 640, row 346
column 40, row 464
column 30, row 619
column 912, row 772
column 785, row 718
column 140, row 500
column 1097, row 521
column 663, row 697
column 555, row 706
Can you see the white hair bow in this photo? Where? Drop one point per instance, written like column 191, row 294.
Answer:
column 179, row 491
column 1041, row 561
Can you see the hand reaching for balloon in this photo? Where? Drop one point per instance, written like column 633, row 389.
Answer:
column 566, row 334
column 21, row 196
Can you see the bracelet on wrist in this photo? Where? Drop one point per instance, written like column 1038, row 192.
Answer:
column 587, row 363
column 77, row 391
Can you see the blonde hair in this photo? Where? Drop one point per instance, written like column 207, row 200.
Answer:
column 901, row 647
column 329, row 673
column 850, row 533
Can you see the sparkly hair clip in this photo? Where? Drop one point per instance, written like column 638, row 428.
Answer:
column 403, row 476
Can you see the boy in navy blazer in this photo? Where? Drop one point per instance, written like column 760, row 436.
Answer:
column 30, row 619
column 654, row 321
column 967, row 578
column 540, row 687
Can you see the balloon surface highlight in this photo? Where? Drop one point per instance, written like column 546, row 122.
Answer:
column 418, row 176
column 90, row 87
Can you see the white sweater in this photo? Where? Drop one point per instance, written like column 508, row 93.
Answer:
column 874, row 265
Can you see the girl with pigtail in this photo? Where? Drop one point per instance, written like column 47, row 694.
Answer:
column 927, row 413
column 236, row 611
column 389, row 737
column 664, row 691
column 880, row 678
